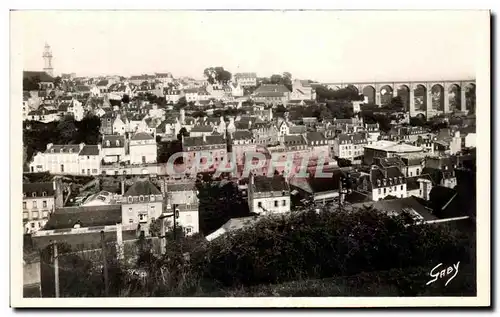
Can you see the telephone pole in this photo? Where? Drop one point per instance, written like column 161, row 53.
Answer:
column 105, row 264
column 56, row 269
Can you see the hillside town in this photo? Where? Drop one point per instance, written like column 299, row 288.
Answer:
column 161, row 158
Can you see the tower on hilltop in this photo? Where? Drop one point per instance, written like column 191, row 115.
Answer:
column 47, row 58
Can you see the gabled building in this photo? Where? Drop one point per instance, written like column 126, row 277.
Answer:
column 246, row 79
column 38, row 205
column 142, row 204
column 268, row 195
column 142, row 148
column 382, row 182
column 113, row 148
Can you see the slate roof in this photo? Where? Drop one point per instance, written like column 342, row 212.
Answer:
column 142, row 136
column 242, row 135
column 66, row 148
column 269, row 184
column 38, row 189
column 202, row 128
column 142, row 188
column 66, row 218
column 175, row 187
column 294, row 140
column 297, row 129
column 112, row 141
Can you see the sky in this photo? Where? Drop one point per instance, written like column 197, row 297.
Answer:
column 326, row 46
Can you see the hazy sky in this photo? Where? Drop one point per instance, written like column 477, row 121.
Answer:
column 319, row 45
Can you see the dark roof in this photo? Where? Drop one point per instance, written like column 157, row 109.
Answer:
column 142, row 188
column 215, row 139
column 142, row 136
column 392, row 175
column 294, row 140
column 44, row 76
column 322, row 184
column 66, row 218
column 202, row 128
column 297, row 129
column 38, row 189
column 242, row 135
column 269, row 184
column 112, row 141
column 440, row 196
column 315, row 136
column 89, row 150
column 66, row 148
column 103, row 82
column 193, row 141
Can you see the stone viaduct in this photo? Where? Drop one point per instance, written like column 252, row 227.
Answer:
column 428, row 98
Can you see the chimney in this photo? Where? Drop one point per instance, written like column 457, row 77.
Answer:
column 123, row 186
column 204, row 137
column 49, row 145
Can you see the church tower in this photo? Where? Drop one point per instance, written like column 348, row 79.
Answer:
column 47, row 58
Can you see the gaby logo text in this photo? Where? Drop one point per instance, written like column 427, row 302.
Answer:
column 444, row 273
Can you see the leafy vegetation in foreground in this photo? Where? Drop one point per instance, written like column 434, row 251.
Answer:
column 362, row 253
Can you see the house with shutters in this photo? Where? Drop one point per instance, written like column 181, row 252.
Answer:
column 38, row 205
column 142, row 204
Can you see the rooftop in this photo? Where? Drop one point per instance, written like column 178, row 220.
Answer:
column 38, row 189
column 142, row 187
column 270, row 184
column 66, row 218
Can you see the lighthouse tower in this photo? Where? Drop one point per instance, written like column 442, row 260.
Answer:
column 47, row 58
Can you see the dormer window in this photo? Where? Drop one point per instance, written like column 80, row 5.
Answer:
column 70, row 151
column 108, row 143
column 44, row 194
column 152, row 198
column 141, row 198
column 33, row 194
column 24, row 195
column 130, row 199
column 117, row 142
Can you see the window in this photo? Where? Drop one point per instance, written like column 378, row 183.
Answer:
column 385, row 191
column 44, row 204
column 401, row 187
column 259, row 204
column 33, row 194
column 62, row 168
column 379, row 191
column 275, row 203
column 284, row 203
column 189, row 230
column 35, row 214
column 130, row 220
column 25, row 215
column 94, row 171
column 24, row 205
column 24, row 195
column 44, row 194
column 83, row 171
column 32, row 225
column 34, row 204
column 141, row 198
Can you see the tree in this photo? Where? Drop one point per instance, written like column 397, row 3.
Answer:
column 182, row 132
column 217, row 75
column 58, row 82
column 181, row 103
column 126, row 99
column 66, row 129
column 31, row 83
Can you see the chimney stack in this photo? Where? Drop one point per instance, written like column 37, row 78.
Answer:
column 123, row 186
column 204, row 137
